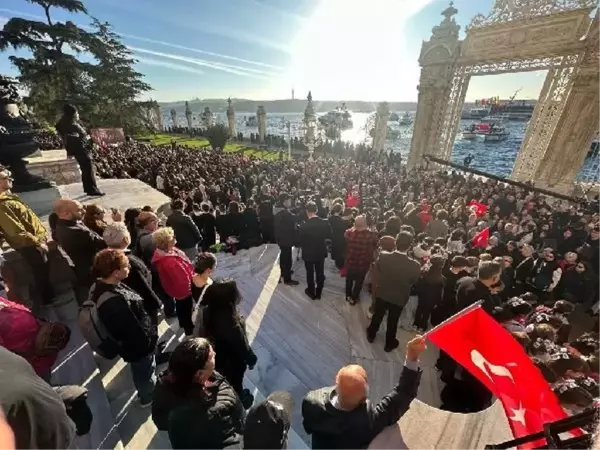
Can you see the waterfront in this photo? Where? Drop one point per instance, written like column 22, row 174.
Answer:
column 496, row 158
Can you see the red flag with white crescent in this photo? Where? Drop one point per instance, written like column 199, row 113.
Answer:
column 483, row 347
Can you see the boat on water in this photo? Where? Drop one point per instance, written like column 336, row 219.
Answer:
column 339, row 118
column 490, row 131
column 406, row 119
column 476, row 113
column 251, row 121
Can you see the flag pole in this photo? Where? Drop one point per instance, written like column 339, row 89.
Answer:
column 458, row 315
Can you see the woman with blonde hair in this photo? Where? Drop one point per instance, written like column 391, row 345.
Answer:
column 175, row 271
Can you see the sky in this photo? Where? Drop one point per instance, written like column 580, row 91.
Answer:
column 262, row 49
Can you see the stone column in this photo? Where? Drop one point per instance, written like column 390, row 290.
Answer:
column 576, row 128
column 381, row 125
column 230, row 118
column 440, row 99
column 207, row 119
column 159, row 118
column 174, row 117
column 261, row 116
column 188, row 116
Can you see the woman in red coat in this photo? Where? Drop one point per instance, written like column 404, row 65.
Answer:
column 175, row 271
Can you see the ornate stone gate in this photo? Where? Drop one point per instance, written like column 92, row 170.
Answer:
column 517, row 36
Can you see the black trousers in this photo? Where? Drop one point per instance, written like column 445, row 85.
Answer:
column 267, row 229
column 315, row 269
column 354, row 283
column 285, row 262
column 394, row 311
column 88, row 178
column 37, row 259
column 424, row 308
column 184, row 314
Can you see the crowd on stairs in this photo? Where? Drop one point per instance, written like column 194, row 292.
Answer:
column 425, row 245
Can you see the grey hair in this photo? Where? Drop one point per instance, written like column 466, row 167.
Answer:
column 115, row 235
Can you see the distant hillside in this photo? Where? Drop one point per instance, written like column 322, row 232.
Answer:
column 281, row 106
column 289, row 106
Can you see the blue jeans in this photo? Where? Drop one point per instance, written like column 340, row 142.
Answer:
column 144, row 377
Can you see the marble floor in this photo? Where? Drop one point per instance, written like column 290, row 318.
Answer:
column 300, row 344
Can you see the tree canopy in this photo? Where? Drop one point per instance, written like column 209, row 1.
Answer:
column 88, row 67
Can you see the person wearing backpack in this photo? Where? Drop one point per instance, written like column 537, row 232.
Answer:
column 115, row 322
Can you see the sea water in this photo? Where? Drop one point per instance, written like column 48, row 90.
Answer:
column 496, row 158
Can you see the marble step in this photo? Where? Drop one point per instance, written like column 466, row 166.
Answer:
column 76, row 364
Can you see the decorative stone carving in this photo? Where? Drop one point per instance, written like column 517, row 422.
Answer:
column 437, row 59
column 511, row 10
column 261, row 116
column 207, row 118
column 188, row 116
column 230, row 117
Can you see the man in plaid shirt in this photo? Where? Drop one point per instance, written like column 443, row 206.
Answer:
column 361, row 244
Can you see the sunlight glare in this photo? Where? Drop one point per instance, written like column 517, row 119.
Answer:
column 356, row 50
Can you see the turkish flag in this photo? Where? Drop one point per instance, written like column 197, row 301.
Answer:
column 481, row 238
column 352, row 201
column 480, row 208
column 484, row 348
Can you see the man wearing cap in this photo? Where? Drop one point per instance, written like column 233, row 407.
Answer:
column 268, row 423
column 341, row 416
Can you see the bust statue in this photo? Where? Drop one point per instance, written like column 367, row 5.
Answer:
column 17, row 139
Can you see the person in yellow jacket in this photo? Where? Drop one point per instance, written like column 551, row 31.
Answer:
column 22, row 229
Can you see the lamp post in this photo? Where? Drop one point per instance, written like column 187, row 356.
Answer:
column 289, row 136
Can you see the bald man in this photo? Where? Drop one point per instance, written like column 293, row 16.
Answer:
column 341, row 416
column 78, row 241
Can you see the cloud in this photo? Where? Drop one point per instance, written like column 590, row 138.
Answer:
column 237, row 70
column 168, row 65
column 3, row 21
column 196, row 50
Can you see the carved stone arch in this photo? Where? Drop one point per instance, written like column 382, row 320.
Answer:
column 517, row 36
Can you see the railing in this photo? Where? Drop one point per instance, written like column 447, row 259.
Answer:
column 553, row 430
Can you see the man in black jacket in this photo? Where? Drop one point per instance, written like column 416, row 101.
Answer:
column 78, row 145
column 285, row 236
column 313, row 234
column 470, row 290
column 78, row 241
column 341, row 416
column 187, row 234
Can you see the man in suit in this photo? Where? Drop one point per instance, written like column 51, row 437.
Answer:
column 313, row 234
column 186, row 232
column 393, row 276
column 285, row 236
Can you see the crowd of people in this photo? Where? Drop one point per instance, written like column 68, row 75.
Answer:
column 421, row 243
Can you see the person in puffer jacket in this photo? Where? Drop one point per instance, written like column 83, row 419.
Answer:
column 175, row 271
column 195, row 404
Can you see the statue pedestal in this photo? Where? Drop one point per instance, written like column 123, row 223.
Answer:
column 54, row 165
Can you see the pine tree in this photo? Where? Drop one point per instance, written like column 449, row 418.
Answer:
column 104, row 89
